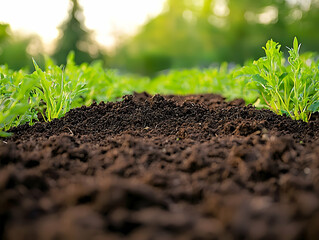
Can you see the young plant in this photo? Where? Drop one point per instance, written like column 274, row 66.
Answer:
column 15, row 101
column 305, row 78
column 56, row 90
column 286, row 89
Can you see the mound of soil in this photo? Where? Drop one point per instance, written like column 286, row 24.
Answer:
column 154, row 167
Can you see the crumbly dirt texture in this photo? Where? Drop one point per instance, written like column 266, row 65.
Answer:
column 162, row 168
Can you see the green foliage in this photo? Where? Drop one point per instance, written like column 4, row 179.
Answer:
column 291, row 89
column 211, row 80
column 57, row 90
column 4, row 32
column 100, row 84
column 192, row 33
column 287, row 87
column 54, row 91
column 15, row 99
column 13, row 49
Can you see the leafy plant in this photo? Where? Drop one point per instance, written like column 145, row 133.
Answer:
column 15, row 100
column 287, row 88
column 57, row 90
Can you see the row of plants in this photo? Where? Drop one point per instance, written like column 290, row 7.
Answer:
column 287, row 86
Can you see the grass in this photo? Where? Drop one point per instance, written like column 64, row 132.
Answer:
column 288, row 87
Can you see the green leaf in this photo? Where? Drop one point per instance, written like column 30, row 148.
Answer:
column 259, row 80
column 296, row 45
column 282, row 76
column 5, row 134
column 314, row 107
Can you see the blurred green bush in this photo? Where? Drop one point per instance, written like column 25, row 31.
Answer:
column 193, row 33
column 14, row 49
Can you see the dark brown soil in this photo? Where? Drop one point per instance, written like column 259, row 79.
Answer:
column 157, row 168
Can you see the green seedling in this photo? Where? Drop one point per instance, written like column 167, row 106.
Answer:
column 15, row 101
column 291, row 89
column 56, row 90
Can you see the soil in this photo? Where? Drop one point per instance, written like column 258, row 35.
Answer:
column 160, row 168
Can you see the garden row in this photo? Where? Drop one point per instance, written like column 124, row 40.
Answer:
column 287, row 86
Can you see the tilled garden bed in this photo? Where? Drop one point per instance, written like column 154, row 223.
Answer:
column 154, row 167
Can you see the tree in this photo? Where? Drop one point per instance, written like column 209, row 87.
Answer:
column 75, row 37
column 15, row 50
column 193, row 33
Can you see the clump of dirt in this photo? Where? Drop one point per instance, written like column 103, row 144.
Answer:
column 162, row 167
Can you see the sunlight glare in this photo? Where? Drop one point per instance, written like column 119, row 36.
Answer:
column 104, row 18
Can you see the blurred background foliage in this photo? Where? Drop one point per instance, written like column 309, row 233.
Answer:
column 17, row 51
column 188, row 33
column 198, row 33
column 74, row 36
